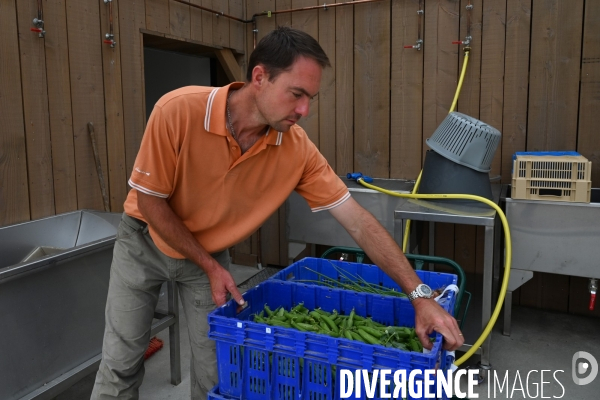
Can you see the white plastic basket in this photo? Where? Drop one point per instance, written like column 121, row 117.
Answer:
column 466, row 141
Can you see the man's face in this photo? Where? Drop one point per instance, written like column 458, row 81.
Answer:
column 283, row 101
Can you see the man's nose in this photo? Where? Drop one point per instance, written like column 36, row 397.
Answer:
column 303, row 106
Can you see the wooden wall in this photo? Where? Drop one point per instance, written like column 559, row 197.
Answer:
column 534, row 73
column 52, row 87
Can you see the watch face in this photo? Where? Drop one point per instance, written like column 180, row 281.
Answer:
column 425, row 290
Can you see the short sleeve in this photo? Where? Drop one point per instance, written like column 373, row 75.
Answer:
column 154, row 168
column 319, row 185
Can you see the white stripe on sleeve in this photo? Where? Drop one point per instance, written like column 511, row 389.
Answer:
column 147, row 191
column 332, row 205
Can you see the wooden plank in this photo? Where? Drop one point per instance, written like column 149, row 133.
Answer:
column 466, row 238
column 270, row 240
column 308, row 21
column 440, row 77
column 327, row 90
column 131, row 20
column 371, row 86
column 229, row 64
column 179, row 19
column 555, row 292
column 35, row 107
column 406, row 97
column 284, row 19
column 236, row 29
column 554, row 75
column 85, row 61
column 440, row 71
column 113, row 103
column 196, row 21
column 221, row 24
column 344, row 89
column 157, row 15
column 283, row 241
column 516, row 82
column 207, row 22
column 492, row 71
column 589, row 97
column 14, row 191
column 263, row 24
column 531, row 292
column 469, row 98
column 59, row 107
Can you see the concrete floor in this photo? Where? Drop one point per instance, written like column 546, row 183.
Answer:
column 540, row 340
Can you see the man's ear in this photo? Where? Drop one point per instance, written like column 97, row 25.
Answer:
column 259, row 75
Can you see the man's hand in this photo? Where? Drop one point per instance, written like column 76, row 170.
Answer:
column 222, row 283
column 431, row 317
column 169, row 227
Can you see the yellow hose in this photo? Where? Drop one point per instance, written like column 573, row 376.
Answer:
column 496, row 313
column 414, row 195
column 452, row 108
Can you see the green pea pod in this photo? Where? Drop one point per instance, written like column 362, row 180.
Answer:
column 368, row 337
column 268, row 311
column 283, row 324
column 414, row 345
column 324, row 326
column 371, row 331
column 299, row 308
column 350, row 319
column 356, row 336
column 280, row 311
column 322, row 312
column 299, row 318
column 400, row 346
column 330, row 322
column 358, row 318
column 315, row 315
column 306, row 327
column 348, row 335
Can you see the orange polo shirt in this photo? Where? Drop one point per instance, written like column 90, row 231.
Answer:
column 188, row 157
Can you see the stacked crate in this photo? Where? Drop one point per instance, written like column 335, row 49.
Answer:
column 551, row 176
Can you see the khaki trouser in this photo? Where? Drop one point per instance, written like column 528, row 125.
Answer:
column 137, row 272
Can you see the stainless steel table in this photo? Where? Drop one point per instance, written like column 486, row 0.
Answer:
column 450, row 211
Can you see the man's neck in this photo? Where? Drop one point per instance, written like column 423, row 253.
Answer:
column 246, row 119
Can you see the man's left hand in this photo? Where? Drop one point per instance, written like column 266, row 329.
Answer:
column 431, row 317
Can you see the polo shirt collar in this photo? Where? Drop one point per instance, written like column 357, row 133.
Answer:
column 215, row 120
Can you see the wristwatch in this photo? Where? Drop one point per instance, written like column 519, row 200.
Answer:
column 421, row 291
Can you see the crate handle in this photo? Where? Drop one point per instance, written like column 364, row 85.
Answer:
column 550, row 192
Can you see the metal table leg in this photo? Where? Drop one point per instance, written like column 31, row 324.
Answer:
column 486, row 310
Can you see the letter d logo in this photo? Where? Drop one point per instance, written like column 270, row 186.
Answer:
column 584, row 367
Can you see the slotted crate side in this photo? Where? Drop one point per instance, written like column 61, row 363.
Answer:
column 552, row 178
column 277, row 378
column 311, row 269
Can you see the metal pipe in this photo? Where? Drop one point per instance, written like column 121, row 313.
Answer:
column 110, row 37
column 325, row 6
column 217, row 13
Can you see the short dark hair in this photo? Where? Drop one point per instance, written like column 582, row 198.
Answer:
column 280, row 48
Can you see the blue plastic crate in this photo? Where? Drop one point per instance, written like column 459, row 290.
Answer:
column 300, row 270
column 257, row 361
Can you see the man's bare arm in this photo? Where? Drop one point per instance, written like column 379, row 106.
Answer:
column 171, row 229
column 381, row 248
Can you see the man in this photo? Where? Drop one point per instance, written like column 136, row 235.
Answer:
column 213, row 165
